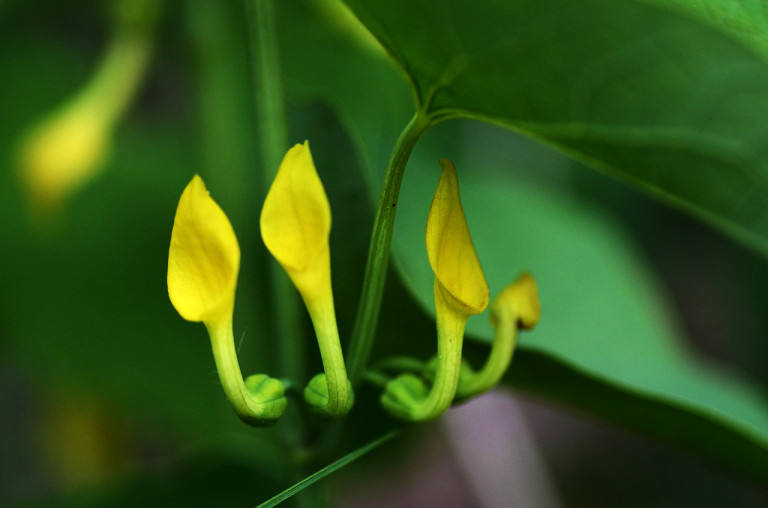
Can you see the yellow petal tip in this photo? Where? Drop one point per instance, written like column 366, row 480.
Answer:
column 296, row 217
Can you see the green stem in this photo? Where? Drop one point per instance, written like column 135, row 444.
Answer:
column 273, row 140
column 498, row 360
column 339, row 396
column 329, row 394
column 407, row 397
column 259, row 400
column 367, row 317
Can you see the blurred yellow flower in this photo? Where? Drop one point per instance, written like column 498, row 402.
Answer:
column 68, row 147
column 62, row 152
column 519, row 303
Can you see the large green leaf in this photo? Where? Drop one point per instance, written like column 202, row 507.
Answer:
column 606, row 344
column 652, row 94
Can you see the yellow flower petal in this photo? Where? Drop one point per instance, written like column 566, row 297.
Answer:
column 460, row 278
column 204, row 258
column 296, row 218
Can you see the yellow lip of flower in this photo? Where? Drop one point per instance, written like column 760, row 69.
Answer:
column 204, row 258
column 451, row 252
column 296, row 217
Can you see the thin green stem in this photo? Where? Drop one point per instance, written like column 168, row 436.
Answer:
column 407, row 397
column 498, row 360
column 273, row 141
column 259, row 400
column 329, row 394
column 367, row 316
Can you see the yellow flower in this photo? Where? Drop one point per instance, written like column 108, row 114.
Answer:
column 460, row 291
column 296, row 223
column 295, row 226
column 203, row 264
column 516, row 307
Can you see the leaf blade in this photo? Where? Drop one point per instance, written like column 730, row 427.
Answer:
column 330, row 468
column 566, row 73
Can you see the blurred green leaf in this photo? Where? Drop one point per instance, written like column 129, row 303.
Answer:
column 84, row 303
column 674, row 105
column 678, row 426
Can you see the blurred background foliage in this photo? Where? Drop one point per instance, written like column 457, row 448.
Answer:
column 109, row 398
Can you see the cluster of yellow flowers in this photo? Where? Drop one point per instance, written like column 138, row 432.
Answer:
column 203, row 265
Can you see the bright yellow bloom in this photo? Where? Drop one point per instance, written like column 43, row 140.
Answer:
column 296, row 223
column 203, row 263
column 460, row 291
column 295, row 226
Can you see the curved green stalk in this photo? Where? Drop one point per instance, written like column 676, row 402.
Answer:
column 259, row 400
column 273, row 142
column 367, row 316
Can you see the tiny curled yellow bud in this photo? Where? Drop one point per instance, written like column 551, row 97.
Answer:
column 519, row 299
column 204, row 258
column 517, row 307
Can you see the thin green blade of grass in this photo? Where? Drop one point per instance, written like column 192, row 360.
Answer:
column 330, row 468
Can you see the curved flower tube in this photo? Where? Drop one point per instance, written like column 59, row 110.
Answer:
column 295, row 226
column 517, row 307
column 460, row 292
column 203, row 264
